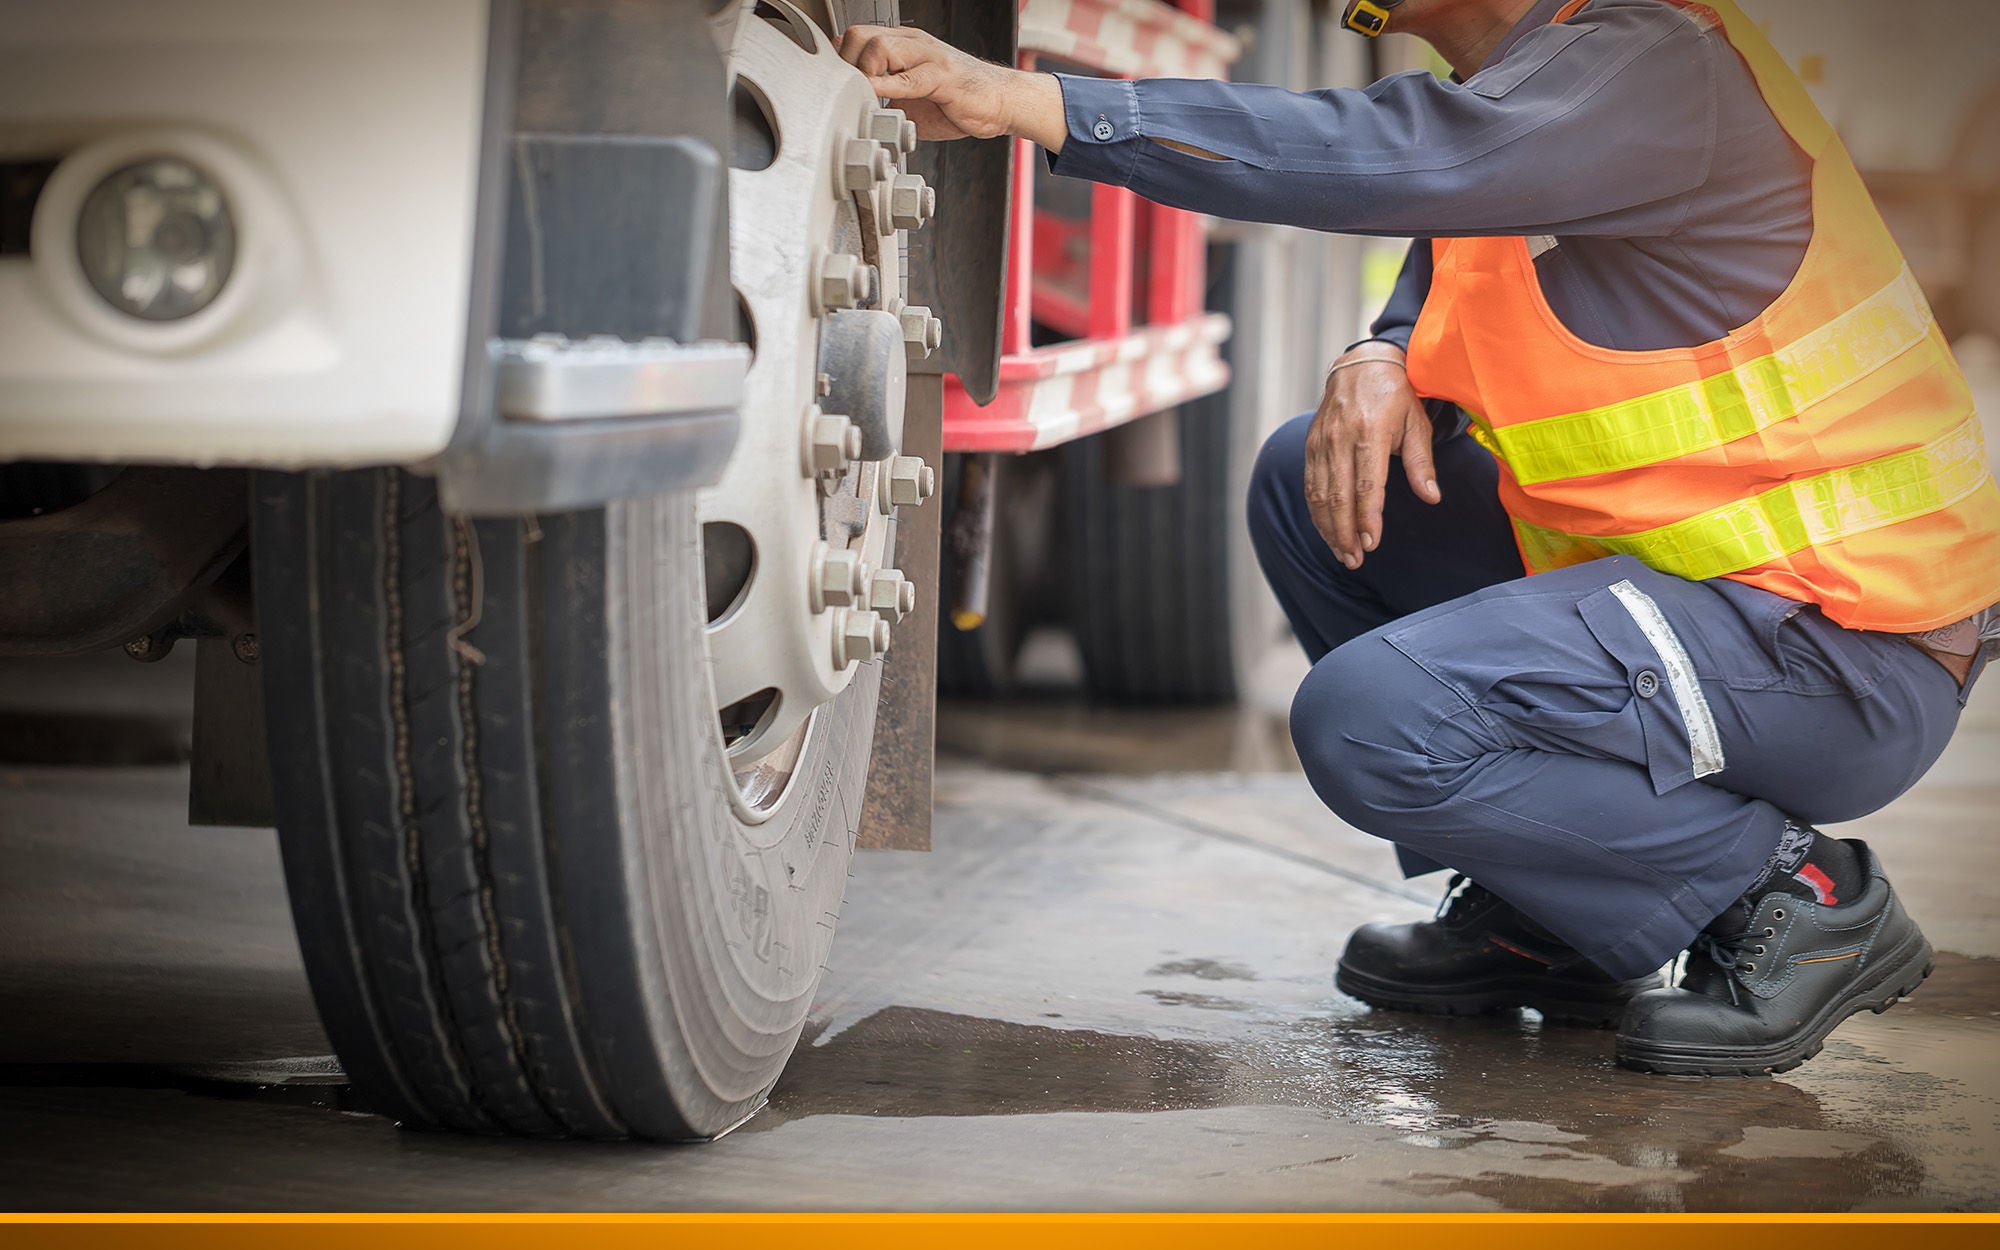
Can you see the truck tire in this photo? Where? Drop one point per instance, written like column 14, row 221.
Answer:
column 526, row 900
column 1163, row 590
column 566, row 803
column 1150, row 570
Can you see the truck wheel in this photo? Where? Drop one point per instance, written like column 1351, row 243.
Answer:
column 1150, row 594
column 566, row 803
column 1163, row 588
column 533, row 894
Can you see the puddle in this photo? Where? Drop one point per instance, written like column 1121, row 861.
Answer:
column 1206, row 1002
column 1204, row 969
column 1538, row 1118
column 306, row 1080
column 1961, row 988
column 907, row 1062
column 1528, row 1116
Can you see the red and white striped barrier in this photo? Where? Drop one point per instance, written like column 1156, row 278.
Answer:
column 1127, row 38
column 1050, row 395
column 1119, row 370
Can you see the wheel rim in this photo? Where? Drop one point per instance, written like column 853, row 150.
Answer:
column 798, row 534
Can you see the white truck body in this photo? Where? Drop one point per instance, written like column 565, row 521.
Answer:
column 346, row 137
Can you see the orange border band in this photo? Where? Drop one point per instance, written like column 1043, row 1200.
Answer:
column 976, row 1231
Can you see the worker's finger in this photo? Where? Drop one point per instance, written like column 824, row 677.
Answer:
column 852, row 40
column 917, row 82
column 886, row 51
column 1416, row 451
column 1340, row 492
column 1371, row 470
column 854, row 36
column 871, row 49
column 1323, row 500
column 932, row 124
column 864, row 49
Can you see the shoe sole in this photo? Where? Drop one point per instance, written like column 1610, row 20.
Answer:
column 1897, row 979
column 1485, row 998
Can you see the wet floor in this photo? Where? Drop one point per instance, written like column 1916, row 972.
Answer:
column 1107, row 987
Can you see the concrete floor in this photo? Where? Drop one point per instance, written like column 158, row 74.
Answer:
column 1108, row 986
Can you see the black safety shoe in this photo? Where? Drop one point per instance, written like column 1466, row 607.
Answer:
column 1480, row 955
column 1771, row 977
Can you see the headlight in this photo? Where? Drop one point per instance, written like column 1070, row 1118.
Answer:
column 156, row 239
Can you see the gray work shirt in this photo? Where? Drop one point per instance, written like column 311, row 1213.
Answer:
column 1633, row 135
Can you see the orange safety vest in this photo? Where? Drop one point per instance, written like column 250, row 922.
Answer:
column 1827, row 451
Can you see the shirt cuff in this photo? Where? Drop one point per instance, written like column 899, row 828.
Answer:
column 1397, row 336
column 1102, row 115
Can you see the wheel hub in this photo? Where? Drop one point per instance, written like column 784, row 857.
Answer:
column 799, row 531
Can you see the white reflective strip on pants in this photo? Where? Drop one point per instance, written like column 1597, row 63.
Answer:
column 1704, row 740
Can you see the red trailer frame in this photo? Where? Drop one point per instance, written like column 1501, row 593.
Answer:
column 1141, row 342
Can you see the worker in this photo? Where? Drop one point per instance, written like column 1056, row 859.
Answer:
column 1650, row 528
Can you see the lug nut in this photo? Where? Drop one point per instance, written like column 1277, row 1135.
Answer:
column 871, row 284
column 832, row 442
column 922, row 333
column 843, row 281
column 909, row 482
column 892, row 595
column 839, row 577
column 858, row 636
column 148, row 649
column 863, row 163
column 912, row 202
column 891, row 129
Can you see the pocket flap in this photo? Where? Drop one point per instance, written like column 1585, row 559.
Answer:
column 1682, row 740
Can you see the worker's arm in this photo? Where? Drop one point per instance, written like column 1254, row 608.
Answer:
column 1367, row 411
column 1398, row 318
column 1599, row 126
column 951, row 94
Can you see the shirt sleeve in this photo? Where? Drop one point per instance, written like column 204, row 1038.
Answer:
column 1602, row 125
column 1398, row 319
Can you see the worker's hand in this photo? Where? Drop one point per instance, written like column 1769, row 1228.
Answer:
column 951, row 94
column 1369, row 410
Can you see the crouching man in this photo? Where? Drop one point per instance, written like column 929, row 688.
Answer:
column 1652, row 527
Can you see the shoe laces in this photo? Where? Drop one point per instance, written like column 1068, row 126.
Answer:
column 1725, row 951
column 1456, row 900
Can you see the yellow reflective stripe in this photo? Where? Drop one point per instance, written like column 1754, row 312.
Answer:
column 1547, row 550
column 1482, row 433
column 1789, row 518
column 1697, row 416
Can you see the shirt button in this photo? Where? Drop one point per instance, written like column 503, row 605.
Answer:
column 1647, row 683
column 1102, row 131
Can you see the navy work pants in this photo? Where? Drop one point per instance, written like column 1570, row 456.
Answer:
column 1612, row 750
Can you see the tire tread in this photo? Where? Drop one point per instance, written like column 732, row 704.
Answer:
column 454, row 956
column 1149, row 574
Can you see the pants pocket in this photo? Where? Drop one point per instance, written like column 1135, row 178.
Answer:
column 1682, row 740
column 1558, row 663
column 1820, row 657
